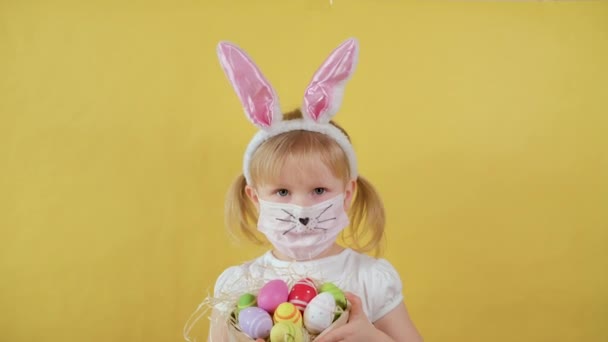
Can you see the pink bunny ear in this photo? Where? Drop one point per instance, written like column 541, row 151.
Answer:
column 259, row 99
column 323, row 95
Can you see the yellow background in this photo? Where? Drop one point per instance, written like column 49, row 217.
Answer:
column 483, row 125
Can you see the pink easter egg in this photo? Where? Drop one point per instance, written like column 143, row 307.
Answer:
column 272, row 294
column 302, row 292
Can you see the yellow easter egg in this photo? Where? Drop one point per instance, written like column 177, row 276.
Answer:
column 287, row 312
column 286, row 332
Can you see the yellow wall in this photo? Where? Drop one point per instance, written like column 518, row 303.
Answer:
column 483, row 124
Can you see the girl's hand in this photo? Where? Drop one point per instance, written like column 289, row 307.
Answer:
column 358, row 328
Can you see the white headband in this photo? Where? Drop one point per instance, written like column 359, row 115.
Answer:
column 322, row 98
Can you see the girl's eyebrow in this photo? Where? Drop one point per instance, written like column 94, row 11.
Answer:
column 279, row 187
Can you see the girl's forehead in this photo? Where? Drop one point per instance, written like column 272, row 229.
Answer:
column 305, row 169
column 299, row 157
column 301, row 172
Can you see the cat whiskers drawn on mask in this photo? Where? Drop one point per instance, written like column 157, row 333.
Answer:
column 305, row 221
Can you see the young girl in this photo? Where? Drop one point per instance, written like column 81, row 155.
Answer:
column 300, row 188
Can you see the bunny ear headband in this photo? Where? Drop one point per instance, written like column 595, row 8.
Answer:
column 322, row 98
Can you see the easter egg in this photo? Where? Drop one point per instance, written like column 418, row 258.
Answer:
column 272, row 294
column 319, row 313
column 287, row 312
column 286, row 332
column 336, row 292
column 245, row 301
column 302, row 292
column 255, row 322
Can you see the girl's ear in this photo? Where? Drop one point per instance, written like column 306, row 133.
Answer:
column 351, row 186
column 253, row 196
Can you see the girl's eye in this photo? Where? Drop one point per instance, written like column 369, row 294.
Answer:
column 282, row 192
column 319, row 191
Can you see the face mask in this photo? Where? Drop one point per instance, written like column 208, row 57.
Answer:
column 302, row 233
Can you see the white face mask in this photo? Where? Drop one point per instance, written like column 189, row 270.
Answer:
column 302, row 233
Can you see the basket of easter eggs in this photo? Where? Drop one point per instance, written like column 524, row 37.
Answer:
column 278, row 313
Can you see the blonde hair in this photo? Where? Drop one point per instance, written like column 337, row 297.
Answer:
column 366, row 214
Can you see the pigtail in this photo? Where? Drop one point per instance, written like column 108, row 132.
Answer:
column 240, row 214
column 367, row 219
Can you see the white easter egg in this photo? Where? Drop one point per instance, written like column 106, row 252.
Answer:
column 319, row 314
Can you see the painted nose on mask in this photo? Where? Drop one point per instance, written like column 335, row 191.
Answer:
column 286, row 226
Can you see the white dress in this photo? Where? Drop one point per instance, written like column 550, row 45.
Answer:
column 374, row 280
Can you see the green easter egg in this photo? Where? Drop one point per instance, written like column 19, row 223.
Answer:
column 335, row 292
column 286, row 332
column 245, row 301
